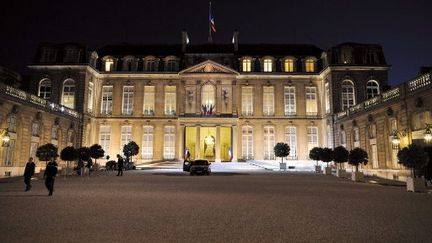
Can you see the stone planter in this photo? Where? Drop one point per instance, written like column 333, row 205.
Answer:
column 327, row 170
column 415, row 184
column 356, row 176
column 341, row 173
column 282, row 166
column 317, row 168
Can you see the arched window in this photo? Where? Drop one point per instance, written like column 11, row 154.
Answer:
column 150, row 64
column 289, row 65
column 208, row 102
column 68, row 95
column 129, row 64
column 109, row 64
column 372, row 89
column 247, row 65
column 45, row 89
column 310, row 65
column 268, row 65
column 171, row 64
column 348, row 96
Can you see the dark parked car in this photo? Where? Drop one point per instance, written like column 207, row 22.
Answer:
column 186, row 165
column 200, row 166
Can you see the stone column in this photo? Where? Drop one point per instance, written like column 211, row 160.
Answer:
column 180, row 141
column 234, row 96
column 234, row 144
column 197, row 142
column 217, row 148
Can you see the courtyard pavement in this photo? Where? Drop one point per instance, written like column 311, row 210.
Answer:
column 228, row 206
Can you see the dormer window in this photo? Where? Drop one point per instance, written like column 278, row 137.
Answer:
column 268, row 65
column 45, row 89
column 247, row 65
column 129, row 64
column 289, row 65
column 310, row 65
column 171, row 65
column 109, row 65
column 150, row 64
column 372, row 89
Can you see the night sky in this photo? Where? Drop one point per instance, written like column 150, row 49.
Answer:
column 402, row 27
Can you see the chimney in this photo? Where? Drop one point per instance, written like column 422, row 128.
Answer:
column 235, row 40
column 185, row 40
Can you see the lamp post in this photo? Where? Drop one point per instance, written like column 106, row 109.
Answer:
column 4, row 137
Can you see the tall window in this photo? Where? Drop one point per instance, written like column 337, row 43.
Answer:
column 356, row 136
column 311, row 101
column 268, row 65
column 170, row 100
column 150, row 65
column 372, row 131
column 70, row 137
column 268, row 100
column 291, row 140
column 374, row 157
column 105, row 138
column 208, row 95
column 329, row 137
column 247, row 101
column 68, row 96
column 35, row 129
column 169, row 142
column 147, row 143
column 55, row 132
column 128, row 97
column 247, row 142
column 269, row 142
column 348, row 97
column 126, row 136
column 45, row 89
column 12, row 123
column 372, row 89
column 327, row 97
column 312, row 135
column 289, row 65
column 310, row 65
column 107, row 97
column 33, row 148
column 247, row 65
column 149, row 100
column 289, row 100
column 109, row 64
column 343, row 138
column 90, row 97
column 9, row 153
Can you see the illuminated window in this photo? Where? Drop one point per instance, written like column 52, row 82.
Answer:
column 374, row 157
column 149, row 100
column 310, row 65
column 169, row 142
column 33, row 148
column 329, row 137
column 70, row 137
column 247, row 65
column 268, row 100
column 343, row 138
column 269, row 142
column 289, row 100
column 291, row 140
column 170, row 100
column 247, row 142
column 90, row 97
column 327, row 97
column 147, row 143
column 247, row 101
column 68, row 96
column 289, row 65
column 348, row 97
column 208, row 95
column 45, row 89
column 268, row 65
column 105, row 138
column 311, row 101
column 107, row 96
column 11, row 123
column 126, row 136
column 35, row 129
column 372, row 89
column 128, row 97
column 9, row 153
column 312, row 135
column 109, row 64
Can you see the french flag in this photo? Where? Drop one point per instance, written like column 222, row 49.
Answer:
column 212, row 22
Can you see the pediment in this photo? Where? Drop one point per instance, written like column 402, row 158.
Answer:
column 209, row 66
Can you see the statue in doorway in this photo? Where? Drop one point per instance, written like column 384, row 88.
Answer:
column 209, row 146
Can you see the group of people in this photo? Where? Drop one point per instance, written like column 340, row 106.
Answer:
column 49, row 175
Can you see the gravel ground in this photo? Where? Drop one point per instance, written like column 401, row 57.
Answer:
column 158, row 206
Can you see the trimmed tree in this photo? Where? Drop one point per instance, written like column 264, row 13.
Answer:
column 130, row 149
column 281, row 150
column 428, row 168
column 47, row 152
column 68, row 154
column 315, row 154
column 96, row 152
column 357, row 156
column 326, row 155
column 413, row 157
column 340, row 155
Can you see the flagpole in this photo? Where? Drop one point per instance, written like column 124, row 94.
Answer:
column 210, row 39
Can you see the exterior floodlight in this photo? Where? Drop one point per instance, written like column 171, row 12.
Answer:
column 428, row 133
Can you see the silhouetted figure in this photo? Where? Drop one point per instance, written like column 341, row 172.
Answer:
column 28, row 173
column 50, row 174
column 120, row 164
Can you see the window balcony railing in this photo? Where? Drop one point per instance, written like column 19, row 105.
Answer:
column 311, row 113
column 419, row 82
column 148, row 113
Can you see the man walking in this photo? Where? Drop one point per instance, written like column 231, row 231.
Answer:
column 50, row 174
column 120, row 165
column 28, row 173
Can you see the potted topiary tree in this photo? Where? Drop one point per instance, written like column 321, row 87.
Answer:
column 96, row 152
column 129, row 150
column 340, row 156
column 68, row 154
column 281, row 150
column 415, row 158
column 356, row 157
column 46, row 153
column 314, row 154
column 326, row 156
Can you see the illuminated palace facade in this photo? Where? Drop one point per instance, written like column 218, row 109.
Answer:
column 227, row 102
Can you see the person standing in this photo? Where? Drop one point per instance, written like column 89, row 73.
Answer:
column 50, row 174
column 28, row 173
column 120, row 164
